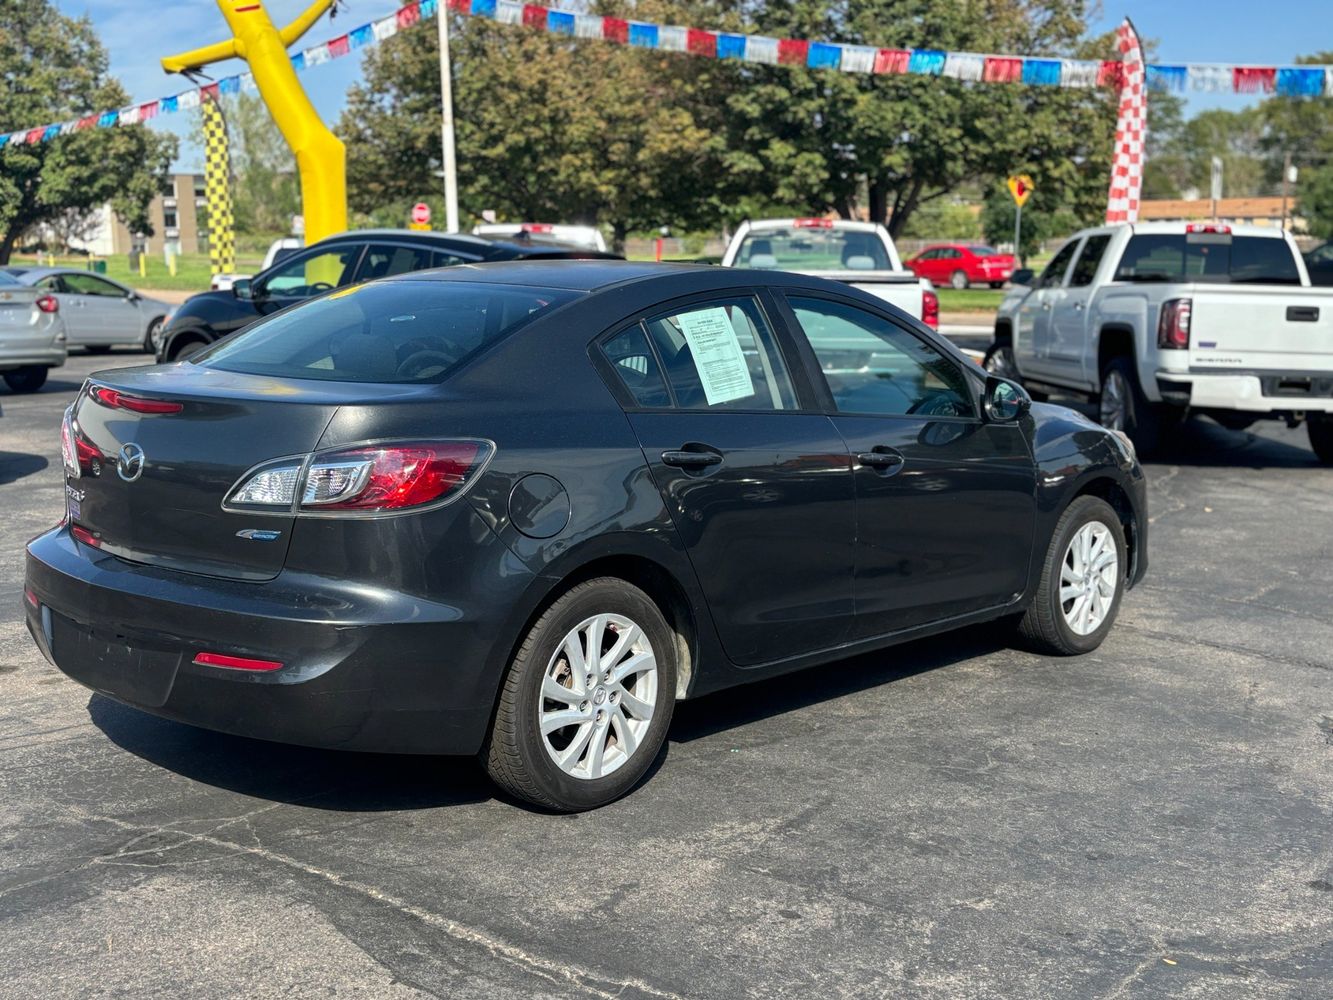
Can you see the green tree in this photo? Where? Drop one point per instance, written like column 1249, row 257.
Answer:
column 53, row 69
column 548, row 128
column 819, row 138
column 1315, row 202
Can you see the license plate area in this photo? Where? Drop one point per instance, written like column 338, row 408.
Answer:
column 118, row 665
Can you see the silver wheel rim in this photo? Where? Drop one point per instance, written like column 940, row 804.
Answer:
column 1089, row 576
column 997, row 363
column 598, row 696
column 959, row 280
column 1112, row 407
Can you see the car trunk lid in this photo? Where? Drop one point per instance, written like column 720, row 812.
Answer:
column 162, row 447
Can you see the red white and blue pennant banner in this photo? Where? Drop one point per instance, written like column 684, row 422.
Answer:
column 1292, row 81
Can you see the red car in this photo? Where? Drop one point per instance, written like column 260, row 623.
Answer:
column 962, row 264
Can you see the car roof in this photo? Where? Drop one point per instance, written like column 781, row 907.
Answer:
column 36, row 273
column 847, row 225
column 454, row 240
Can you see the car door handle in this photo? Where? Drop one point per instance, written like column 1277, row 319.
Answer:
column 882, row 459
column 691, row 459
column 1078, row 307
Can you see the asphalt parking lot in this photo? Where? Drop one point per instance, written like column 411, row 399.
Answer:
column 952, row 818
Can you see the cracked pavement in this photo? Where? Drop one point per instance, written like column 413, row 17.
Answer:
column 950, row 818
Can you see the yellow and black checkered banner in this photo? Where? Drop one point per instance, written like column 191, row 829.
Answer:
column 217, row 187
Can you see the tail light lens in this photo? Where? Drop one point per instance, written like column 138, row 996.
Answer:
column 78, row 453
column 48, row 304
column 117, row 400
column 930, row 309
column 1173, row 324
column 394, row 477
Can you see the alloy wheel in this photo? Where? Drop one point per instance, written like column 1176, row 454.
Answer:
column 1089, row 575
column 1113, row 407
column 598, row 696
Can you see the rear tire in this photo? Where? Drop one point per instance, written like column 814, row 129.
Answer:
column 1320, row 428
column 188, row 350
column 28, row 379
column 618, row 708
column 1078, row 594
column 959, row 280
column 1122, row 406
column 149, row 336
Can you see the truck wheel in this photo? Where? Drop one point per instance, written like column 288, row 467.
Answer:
column 959, row 280
column 28, row 379
column 999, row 361
column 1122, row 406
column 1320, row 428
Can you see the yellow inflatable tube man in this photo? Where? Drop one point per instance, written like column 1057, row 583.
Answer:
column 320, row 157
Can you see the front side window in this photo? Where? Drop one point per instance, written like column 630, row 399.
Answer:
column 393, row 331
column 1055, row 270
column 873, row 366
column 813, row 249
column 311, row 274
column 721, row 355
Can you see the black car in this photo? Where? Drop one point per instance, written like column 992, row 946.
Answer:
column 1319, row 264
column 334, row 263
column 521, row 509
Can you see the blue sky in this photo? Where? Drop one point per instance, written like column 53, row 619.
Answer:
column 139, row 32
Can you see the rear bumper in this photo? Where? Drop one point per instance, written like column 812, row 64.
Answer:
column 363, row 669
column 43, row 357
column 1252, row 392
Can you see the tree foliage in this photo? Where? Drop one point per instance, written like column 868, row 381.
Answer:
column 53, row 68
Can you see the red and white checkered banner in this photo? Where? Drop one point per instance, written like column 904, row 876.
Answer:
column 1122, row 204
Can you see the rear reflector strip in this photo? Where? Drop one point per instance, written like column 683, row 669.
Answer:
column 31, row 597
column 119, row 401
column 235, row 662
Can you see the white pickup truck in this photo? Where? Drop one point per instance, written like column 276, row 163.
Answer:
column 860, row 254
column 1157, row 320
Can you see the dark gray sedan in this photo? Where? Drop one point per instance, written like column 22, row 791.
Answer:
column 519, row 510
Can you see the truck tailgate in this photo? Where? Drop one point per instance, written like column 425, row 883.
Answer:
column 900, row 288
column 1268, row 328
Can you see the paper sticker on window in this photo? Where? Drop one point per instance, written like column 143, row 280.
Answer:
column 723, row 371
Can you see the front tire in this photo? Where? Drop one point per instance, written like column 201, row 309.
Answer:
column 150, row 336
column 587, row 700
column 1320, row 428
column 28, row 379
column 1082, row 581
column 999, row 361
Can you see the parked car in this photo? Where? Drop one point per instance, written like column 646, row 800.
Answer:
column 334, row 263
column 588, row 237
column 962, row 265
column 279, row 250
column 32, row 335
column 1157, row 320
column 98, row 312
column 521, row 509
column 859, row 254
column 1319, row 264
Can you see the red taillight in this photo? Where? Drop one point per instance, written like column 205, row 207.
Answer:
column 48, row 304
column 235, row 662
column 1173, row 324
column 85, row 536
column 385, row 478
column 813, row 223
column 930, row 309
column 538, row 227
column 78, row 453
column 117, row 400
column 31, row 597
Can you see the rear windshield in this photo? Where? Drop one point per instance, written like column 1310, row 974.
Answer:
column 389, row 331
column 8, row 279
column 984, row 251
column 813, row 250
column 1208, row 258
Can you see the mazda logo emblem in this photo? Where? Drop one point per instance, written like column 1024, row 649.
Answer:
column 130, row 462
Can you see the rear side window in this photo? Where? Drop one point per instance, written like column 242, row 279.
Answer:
column 1086, row 268
column 636, row 366
column 721, row 356
column 1208, row 258
column 395, row 331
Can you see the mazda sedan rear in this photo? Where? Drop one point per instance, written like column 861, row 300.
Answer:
column 520, row 510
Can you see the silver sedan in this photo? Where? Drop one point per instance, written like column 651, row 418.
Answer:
column 98, row 312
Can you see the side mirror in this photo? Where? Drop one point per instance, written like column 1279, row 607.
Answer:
column 132, row 295
column 1023, row 276
column 1005, row 401
column 243, row 289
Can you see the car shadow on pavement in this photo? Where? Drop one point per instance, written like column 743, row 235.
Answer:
column 15, row 465
column 336, row 780
column 1201, row 443
column 736, row 707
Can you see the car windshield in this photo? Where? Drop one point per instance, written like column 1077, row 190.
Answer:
column 813, row 249
column 1208, row 257
column 389, row 331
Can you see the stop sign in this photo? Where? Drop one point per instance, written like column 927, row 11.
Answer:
column 421, row 213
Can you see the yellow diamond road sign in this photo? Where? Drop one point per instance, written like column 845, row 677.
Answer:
column 1021, row 188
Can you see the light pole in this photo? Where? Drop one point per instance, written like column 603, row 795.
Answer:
column 447, row 124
